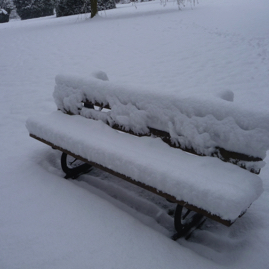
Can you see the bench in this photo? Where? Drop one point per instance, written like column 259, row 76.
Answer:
column 200, row 153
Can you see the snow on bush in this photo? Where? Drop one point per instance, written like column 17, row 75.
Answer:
column 2, row 11
column 4, row 16
column 6, row 6
column 28, row 9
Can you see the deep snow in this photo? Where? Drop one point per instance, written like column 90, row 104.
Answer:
column 49, row 222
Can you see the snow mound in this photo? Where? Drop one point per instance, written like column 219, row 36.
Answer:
column 100, row 75
column 2, row 11
column 215, row 186
column 226, row 95
column 199, row 122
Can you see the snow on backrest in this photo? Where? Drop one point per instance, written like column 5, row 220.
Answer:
column 201, row 124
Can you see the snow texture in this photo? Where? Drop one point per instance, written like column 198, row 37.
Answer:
column 100, row 221
column 223, row 189
column 199, row 122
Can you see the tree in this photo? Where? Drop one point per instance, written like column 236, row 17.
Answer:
column 72, row 7
column 94, row 8
column 28, row 9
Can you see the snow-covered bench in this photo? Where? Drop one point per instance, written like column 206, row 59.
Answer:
column 146, row 138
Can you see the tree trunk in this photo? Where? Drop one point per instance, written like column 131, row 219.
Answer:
column 94, row 8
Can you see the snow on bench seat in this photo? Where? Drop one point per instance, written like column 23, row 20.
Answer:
column 220, row 188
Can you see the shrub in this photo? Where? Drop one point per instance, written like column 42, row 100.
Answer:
column 72, row 7
column 4, row 16
column 28, row 9
column 6, row 7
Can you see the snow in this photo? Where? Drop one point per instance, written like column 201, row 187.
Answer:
column 216, row 48
column 225, row 190
column 2, row 11
column 202, row 123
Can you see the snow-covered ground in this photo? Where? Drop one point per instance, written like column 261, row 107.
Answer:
column 218, row 47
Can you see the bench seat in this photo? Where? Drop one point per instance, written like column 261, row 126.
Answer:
column 220, row 188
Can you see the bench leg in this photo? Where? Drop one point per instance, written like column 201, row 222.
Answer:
column 185, row 220
column 73, row 167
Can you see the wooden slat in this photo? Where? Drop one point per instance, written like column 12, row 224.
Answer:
column 140, row 184
column 89, row 104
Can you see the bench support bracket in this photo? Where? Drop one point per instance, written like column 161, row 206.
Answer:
column 73, row 167
column 186, row 221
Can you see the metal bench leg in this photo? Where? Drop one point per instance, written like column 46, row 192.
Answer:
column 73, row 167
column 185, row 220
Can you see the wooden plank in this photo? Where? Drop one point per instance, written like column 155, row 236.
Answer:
column 140, row 184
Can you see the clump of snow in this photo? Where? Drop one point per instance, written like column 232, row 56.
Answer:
column 217, row 187
column 201, row 122
column 100, row 75
column 226, row 95
column 2, row 11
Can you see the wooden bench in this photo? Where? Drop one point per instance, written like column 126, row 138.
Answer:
column 141, row 137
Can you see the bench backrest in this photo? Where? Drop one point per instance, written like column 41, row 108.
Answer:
column 201, row 126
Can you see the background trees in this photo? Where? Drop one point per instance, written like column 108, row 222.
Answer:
column 7, row 5
column 28, row 9
column 71, row 7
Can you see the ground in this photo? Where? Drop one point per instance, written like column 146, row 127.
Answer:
column 49, row 222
